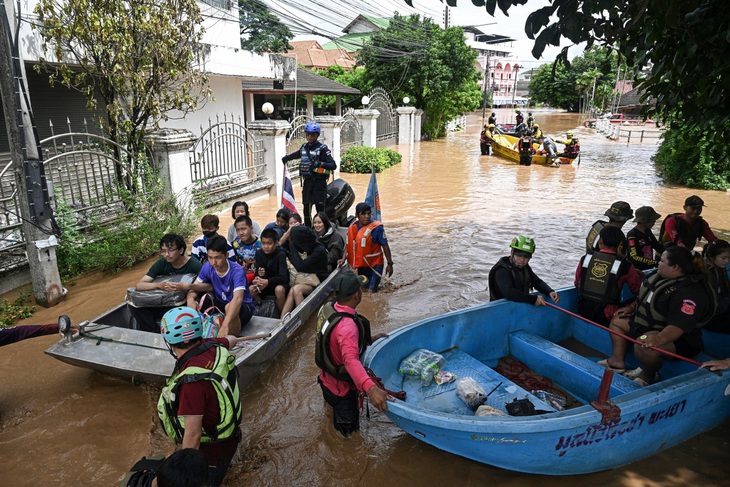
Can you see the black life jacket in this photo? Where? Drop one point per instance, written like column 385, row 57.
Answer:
column 520, row 277
column 600, row 275
column 143, row 472
column 525, row 147
column 646, row 313
column 593, row 236
column 689, row 235
column 327, row 320
column 573, row 149
column 519, row 118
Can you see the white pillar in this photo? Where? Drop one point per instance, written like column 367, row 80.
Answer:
column 338, row 105
column 417, row 121
column 369, row 121
column 331, row 132
column 310, row 105
column 249, row 114
column 405, row 119
column 273, row 135
column 171, row 153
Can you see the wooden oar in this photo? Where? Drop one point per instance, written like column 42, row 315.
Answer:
column 617, row 333
column 254, row 337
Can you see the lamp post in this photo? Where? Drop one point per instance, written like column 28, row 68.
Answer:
column 268, row 109
column 514, row 88
column 406, row 100
column 365, row 100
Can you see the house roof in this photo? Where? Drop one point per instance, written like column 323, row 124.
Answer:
column 633, row 99
column 480, row 36
column 379, row 23
column 348, row 42
column 311, row 55
column 307, row 82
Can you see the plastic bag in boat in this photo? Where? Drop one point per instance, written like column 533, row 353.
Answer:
column 485, row 410
column 422, row 363
column 158, row 297
column 469, row 391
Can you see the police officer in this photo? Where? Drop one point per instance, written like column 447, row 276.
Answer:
column 618, row 214
column 314, row 168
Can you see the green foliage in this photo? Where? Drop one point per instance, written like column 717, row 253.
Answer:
column 354, row 78
column 691, row 156
column 262, row 31
column 681, row 43
column 359, row 159
column 96, row 245
column 435, row 68
column 592, row 73
column 139, row 56
column 19, row 309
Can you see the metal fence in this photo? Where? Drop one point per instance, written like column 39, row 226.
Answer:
column 295, row 139
column 351, row 133
column 226, row 161
column 387, row 122
column 631, row 133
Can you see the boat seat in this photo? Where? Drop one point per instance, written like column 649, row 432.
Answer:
column 576, row 374
column 443, row 398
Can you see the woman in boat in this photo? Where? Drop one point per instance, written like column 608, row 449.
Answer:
column 512, row 278
column 240, row 208
column 303, row 240
column 331, row 239
column 671, row 306
column 717, row 255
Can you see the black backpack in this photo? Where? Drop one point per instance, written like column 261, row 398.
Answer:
column 142, row 472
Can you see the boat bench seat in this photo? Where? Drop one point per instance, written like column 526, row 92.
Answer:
column 443, row 398
column 576, row 374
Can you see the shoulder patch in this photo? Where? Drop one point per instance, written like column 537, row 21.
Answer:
column 688, row 307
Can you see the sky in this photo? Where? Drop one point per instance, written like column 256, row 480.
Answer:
column 329, row 17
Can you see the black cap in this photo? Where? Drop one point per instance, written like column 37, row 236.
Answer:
column 347, row 283
column 362, row 207
column 646, row 214
column 694, row 200
column 620, row 211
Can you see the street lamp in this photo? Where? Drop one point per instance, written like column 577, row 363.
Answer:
column 365, row 100
column 268, row 109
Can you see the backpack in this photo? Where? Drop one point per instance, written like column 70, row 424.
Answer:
column 142, row 472
column 663, row 227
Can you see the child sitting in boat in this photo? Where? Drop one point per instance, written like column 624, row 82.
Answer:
column 272, row 275
column 245, row 245
column 210, row 225
column 512, row 278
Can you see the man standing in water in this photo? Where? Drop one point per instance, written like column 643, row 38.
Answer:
column 342, row 337
column 686, row 229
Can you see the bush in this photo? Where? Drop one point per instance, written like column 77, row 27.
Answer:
column 693, row 157
column 127, row 240
column 17, row 310
column 359, row 159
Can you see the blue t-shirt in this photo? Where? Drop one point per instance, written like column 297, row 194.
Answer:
column 224, row 286
column 245, row 253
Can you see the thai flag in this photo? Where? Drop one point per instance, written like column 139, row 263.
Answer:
column 372, row 197
column 287, row 196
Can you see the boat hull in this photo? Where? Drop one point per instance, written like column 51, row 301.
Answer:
column 575, row 441
column 503, row 147
column 107, row 344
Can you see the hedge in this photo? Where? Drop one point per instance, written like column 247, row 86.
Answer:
column 359, row 159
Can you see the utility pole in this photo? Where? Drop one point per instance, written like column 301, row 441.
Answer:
column 486, row 83
column 33, row 199
column 514, row 87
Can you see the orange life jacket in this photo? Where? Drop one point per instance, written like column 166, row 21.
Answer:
column 362, row 251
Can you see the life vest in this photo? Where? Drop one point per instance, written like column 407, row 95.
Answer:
column 224, row 378
column 573, row 149
column 327, row 320
column 363, row 251
column 525, row 147
column 536, row 132
column 689, row 235
column 520, row 277
column 600, row 275
column 519, row 118
column 593, row 236
column 310, row 156
column 647, row 314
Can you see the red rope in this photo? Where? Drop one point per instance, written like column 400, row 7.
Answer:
column 617, row 333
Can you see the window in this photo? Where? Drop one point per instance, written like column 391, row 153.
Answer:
column 222, row 4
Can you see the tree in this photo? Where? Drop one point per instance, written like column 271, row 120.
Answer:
column 354, row 78
column 435, row 68
column 137, row 55
column 262, row 31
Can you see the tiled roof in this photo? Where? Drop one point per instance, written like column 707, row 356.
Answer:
column 307, row 82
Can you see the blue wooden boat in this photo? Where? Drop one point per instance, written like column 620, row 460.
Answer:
column 637, row 422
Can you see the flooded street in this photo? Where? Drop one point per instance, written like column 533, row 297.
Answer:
column 449, row 214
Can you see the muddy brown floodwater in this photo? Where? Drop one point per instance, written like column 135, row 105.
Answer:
column 449, row 214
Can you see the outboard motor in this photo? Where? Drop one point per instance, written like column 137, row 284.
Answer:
column 340, row 197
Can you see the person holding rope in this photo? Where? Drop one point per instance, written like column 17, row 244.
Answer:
column 367, row 244
column 342, row 337
column 671, row 307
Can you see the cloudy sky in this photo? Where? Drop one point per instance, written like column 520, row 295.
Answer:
column 329, row 17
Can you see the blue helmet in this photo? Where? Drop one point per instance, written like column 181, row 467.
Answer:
column 181, row 324
column 312, row 127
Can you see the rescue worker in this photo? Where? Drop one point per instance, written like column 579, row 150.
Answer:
column 512, row 277
column 342, row 337
column 642, row 244
column 600, row 277
column 548, row 148
column 568, row 138
column 618, row 214
column 367, row 244
column 536, row 132
column 530, row 120
column 670, row 309
column 485, row 141
column 200, row 405
column 526, row 149
column 686, row 229
column 572, row 146
column 315, row 167
column 492, row 119
column 519, row 119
